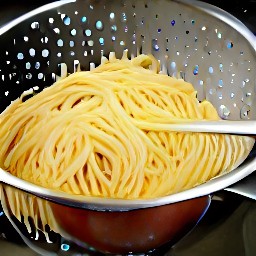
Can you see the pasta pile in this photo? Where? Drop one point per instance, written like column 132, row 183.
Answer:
column 102, row 133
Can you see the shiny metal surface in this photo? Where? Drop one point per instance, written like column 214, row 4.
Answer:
column 246, row 187
column 97, row 203
column 225, row 127
column 212, row 49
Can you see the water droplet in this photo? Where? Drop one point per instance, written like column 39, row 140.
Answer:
column 232, row 95
column 113, row 38
column 25, row 38
column 125, row 29
column 193, row 22
column 219, row 35
column 203, row 28
column 71, row 43
column 210, row 70
column 159, row 30
column 224, row 112
column 122, row 43
column 173, row 22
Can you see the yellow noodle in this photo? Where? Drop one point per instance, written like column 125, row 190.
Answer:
column 105, row 133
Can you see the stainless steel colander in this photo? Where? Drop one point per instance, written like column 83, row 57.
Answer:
column 192, row 40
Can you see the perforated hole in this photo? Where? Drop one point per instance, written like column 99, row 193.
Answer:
column 71, row 43
column 51, row 20
column 88, row 32
column 90, row 43
column 40, row 76
column 84, row 19
column 56, row 30
column 45, row 53
column 113, row 28
column 20, row 56
column 29, row 76
column 66, row 20
column 195, row 71
column 32, row 52
column 123, row 17
column 73, row 32
column 44, row 40
column 99, row 25
column 210, row 70
column 112, row 16
column 224, row 112
column 25, row 39
column 101, row 41
column 35, row 25
column 245, row 112
column 230, row 44
column 28, row 65
column 37, row 65
column 60, row 43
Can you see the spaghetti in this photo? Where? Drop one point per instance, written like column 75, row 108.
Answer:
column 99, row 133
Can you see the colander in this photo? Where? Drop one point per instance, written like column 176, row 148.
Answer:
column 192, row 40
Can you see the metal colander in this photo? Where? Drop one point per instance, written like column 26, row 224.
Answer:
column 192, row 40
